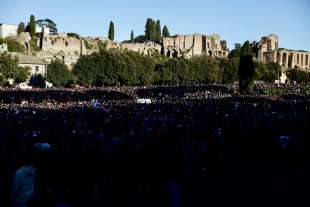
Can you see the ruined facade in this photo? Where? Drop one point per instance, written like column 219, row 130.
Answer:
column 269, row 51
column 193, row 45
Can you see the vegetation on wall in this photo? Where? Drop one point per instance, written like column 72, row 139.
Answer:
column 13, row 45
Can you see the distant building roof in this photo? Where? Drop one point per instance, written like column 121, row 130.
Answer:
column 28, row 59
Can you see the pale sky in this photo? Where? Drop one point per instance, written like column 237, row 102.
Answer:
column 234, row 20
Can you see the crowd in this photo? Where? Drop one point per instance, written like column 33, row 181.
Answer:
column 185, row 149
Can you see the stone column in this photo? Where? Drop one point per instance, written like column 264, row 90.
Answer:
column 274, row 56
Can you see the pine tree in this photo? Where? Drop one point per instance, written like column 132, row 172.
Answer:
column 158, row 31
column 111, row 31
column 32, row 26
column 166, row 32
column 132, row 37
column 21, row 28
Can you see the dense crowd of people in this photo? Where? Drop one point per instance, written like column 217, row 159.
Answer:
column 192, row 146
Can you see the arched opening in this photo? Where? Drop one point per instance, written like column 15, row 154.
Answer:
column 210, row 53
column 297, row 59
column 290, row 60
column 284, row 62
column 307, row 60
column 220, row 54
column 168, row 53
column 302, row 60
column 278, row 58
column 175, row 54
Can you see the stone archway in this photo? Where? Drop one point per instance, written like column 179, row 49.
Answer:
column 284, row 59
column 302, row 60
column 297, row 59
column 210, row 53
column 307, row 60
column 174, row 53
column 290, row 60
column 278, row 60
column 220, row 54
column 168, row 53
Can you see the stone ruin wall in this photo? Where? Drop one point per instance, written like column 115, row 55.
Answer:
column 268, row 51
column 192, row 45
column 142, row 48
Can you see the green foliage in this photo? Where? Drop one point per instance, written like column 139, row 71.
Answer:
column 150, row 30
column 21, row 28
column 298, row 75
column 87, row 45
column 75, row 35
column 267, row 72
column 13, row 45
column 22, row 74
column 8, row 66
column 58, row 73
column 37, row 81
column 158, row 36
column 33, row 45
column 32, row 26
column 166, row 32
column 114, row 67
column 230, row 70
column 246, row 70
column 9, row 69
column 111, row 31
column 101, row 45
column 140, row 39
column 132, row 37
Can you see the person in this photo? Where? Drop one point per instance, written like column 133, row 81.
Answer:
column 23, row 183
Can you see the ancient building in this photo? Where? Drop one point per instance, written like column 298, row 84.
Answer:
column 269, row 51
column 146, row 49
column 192, row 45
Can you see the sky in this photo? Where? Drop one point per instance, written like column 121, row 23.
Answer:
column 234, row 20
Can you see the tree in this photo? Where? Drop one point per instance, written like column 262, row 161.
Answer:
column 32, row 26
column 8, row 66
column 166, row 32
column 37, row 81
column 111, row 31
column 22, row 74
column 132, row 37
column 158, row 37
column 267, row 72
column 246, row 71
column 150, row 30
column 58, row 73
column 21, row 28
column 140, row 39
column 230, row 70
column 298, row 75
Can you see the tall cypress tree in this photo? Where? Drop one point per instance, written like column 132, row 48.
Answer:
column 158, row 31
column 111, row 31
column 166, row 32
column 132, row 37
column 153, row 31
column 32, row 26
column 150, row 30
column 246, row 70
